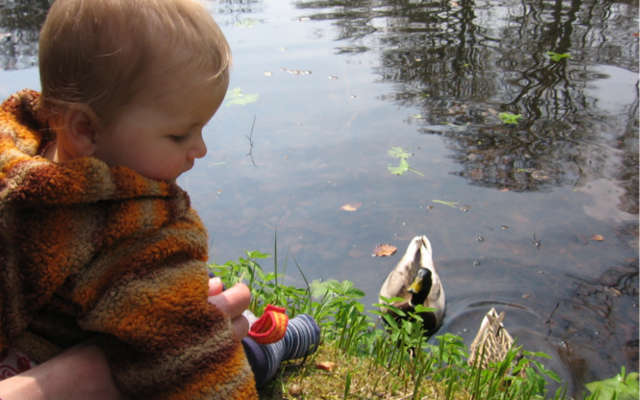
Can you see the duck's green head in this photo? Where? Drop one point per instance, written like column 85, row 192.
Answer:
column 420, row 287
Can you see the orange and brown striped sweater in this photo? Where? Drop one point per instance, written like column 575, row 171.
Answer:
column 92, row 253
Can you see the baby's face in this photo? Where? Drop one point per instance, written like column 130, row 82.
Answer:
column 159, row 134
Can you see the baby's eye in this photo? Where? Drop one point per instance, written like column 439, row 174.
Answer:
column 178, row 138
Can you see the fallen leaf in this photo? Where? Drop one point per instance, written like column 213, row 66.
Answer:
column 539, row 175
column 351, row 207
column 326, row 365
column 598, row 238
column 615, row 291
column 384, row 250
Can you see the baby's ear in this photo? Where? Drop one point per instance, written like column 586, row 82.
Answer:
column 80, row 128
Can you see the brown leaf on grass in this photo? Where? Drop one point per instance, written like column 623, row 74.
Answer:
column 384, row 250
column 597, row 238
column 326, row 365
column 351, row 207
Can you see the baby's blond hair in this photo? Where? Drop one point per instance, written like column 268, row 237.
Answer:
column 99, row 52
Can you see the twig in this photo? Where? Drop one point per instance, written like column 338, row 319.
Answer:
column 250, row 138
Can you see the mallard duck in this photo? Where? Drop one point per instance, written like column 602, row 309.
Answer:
column 416, row 281
column 492, row 342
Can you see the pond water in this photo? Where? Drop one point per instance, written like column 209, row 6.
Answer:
column 537, row 218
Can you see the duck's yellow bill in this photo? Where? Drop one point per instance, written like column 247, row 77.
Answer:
column 416, row 286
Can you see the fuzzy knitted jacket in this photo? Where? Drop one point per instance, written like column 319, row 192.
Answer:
column 95, row 253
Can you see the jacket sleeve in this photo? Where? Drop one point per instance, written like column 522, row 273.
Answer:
column 147, row 296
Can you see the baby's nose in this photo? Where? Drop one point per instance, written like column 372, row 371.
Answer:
column 199, row 148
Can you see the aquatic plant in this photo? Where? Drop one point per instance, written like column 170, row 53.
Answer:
column 555, row 57
column 236, row 96
column 509, row 118
column 623, row 386
column 359, row 358
column 403, row 164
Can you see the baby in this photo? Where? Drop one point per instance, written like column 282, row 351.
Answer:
column 97, row 242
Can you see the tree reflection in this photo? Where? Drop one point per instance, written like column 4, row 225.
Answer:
column 465, row 61
column 232, row 12
column 20, row 22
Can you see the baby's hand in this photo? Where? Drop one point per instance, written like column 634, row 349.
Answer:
column 232, row 302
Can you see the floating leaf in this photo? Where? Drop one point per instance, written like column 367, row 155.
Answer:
column 453, row 204
column 557, row 56
column 597, row 238
column 403, row 165
column 351, row 207
column 509, row 118
column 401, row 168
column 238, row 97
column 398, row 152
column 246, row 23
column 384, row 250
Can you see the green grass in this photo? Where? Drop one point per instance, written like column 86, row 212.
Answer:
column 364, row 360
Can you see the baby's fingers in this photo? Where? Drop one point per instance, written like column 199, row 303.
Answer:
column 215, row 286
column 240, row 327
column 232, row 301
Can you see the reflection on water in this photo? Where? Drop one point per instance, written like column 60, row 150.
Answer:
column 463, row 62
column 20, row 22
column 544, row 223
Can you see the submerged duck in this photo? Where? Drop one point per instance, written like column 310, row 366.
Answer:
column 492, row 342
column 416, row 281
